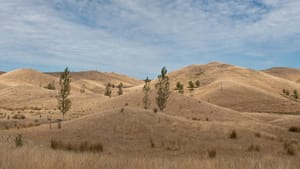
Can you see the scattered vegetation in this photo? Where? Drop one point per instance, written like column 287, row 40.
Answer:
column 77, row 147
column 19, row 116
column 64, row 104
column 286, row 92
column 108, row 90
column 233, row 135
column 163, row 89
column 146, row 90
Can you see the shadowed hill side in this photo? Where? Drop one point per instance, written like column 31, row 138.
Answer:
column 284, row 72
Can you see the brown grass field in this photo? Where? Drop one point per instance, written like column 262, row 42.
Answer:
column 237, row 118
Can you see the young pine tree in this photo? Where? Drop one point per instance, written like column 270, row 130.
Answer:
column 108, row 90
column 64, row 104
column 163, row 89
column 120, row 89
column 146, row 90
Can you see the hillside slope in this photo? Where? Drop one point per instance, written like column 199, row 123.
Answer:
column 237, row 88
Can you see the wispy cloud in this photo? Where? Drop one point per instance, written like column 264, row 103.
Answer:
column 138, row 37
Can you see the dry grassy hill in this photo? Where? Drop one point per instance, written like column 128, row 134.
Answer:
column 28, row 77
column 238, row 88
column 285, row 72
column 102, row 77
column 215, row 118
column 187, row 126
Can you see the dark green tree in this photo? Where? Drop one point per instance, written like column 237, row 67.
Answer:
column 64, row 103
column 163, row 89
column 146, row 90
column 120, row 89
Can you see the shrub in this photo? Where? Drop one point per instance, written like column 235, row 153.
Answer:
column 19, row 140
column 294, row 129
column 122, row 110
column 79, row 147
column 51, row 86
column 233, row 135
column 155, row 110
column 212, row 153
column 254, row 148
column 257, row 135
column 152, row 145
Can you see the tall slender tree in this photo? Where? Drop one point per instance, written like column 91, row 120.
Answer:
column 163, row 89
column 146, row 90
column 64, row 103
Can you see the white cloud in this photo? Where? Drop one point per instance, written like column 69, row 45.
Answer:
column 136, row 37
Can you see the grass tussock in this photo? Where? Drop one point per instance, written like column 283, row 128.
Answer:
column 77, row 147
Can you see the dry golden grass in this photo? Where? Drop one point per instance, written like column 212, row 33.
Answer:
column 41, row 158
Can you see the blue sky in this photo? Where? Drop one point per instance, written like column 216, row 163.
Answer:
column 138, row 37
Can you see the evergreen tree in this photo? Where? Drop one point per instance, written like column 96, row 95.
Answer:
column 64, row 104
column 163, row 89
column 146, row 90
